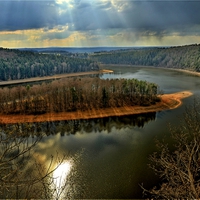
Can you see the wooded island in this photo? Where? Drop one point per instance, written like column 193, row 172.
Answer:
column 74, row 94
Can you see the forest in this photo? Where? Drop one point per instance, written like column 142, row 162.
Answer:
column 74, row 94
column 16, row 64
column 180, row 57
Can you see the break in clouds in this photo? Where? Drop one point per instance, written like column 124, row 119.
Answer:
column 141, row 17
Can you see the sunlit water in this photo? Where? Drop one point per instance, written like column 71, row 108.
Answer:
column 60, row 181
column 115, row 151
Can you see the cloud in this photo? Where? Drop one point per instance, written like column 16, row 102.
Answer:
column 59, row 32
column 6, row 36
column 162, row 15
column 23, row 15
column 141, row 16
column 82, row 15
column 101, row 21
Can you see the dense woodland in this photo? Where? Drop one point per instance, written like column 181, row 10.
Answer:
column 181, row 57
column 77, row 94
column 15, row 64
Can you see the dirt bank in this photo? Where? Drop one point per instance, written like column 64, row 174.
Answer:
column 168, row 101
column 54, row 77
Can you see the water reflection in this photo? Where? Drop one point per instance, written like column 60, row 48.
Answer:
column 60, row 179
column 26, row 171
column 116, row 149
column 87, row 125
column 94, row 148
column 108, row 156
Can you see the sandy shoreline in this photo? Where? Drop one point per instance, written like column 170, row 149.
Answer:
column 168, row 101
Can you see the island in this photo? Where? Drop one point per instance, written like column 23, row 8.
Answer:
column 83, row 98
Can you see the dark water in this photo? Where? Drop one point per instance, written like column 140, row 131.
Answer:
column 110, row 155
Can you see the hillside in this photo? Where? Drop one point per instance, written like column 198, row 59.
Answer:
column 180, row 57
column 15, row 64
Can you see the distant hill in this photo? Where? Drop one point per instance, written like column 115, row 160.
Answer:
column 180, row 57
column 74, row 49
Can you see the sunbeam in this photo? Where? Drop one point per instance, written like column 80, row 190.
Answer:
column 98, row 23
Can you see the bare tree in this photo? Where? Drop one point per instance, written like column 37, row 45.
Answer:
column 178, row 166
column 21, row 176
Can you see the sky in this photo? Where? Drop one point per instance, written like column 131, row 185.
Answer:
column 93, row 23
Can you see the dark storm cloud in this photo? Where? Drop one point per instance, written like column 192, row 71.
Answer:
column 21, row 15
column 92, row 17
column 158, row 17
column 150, row 16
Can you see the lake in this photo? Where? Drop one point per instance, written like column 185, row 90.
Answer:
column 108, row 158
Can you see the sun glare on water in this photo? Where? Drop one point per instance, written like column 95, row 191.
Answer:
column 60, row 178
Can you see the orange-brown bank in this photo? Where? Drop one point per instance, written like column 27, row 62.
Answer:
column 168, row 101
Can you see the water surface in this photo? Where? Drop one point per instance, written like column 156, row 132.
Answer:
column 111, row 154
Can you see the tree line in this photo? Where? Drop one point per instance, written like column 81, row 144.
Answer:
column 74, row 94
column 15, row 64
column 181, row 57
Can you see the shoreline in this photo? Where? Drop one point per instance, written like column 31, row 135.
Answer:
column 186, row 71
column 168, row 102
column 54, row 77
column 166, row 68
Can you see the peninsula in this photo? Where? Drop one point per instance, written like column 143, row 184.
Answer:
column 167, row 101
